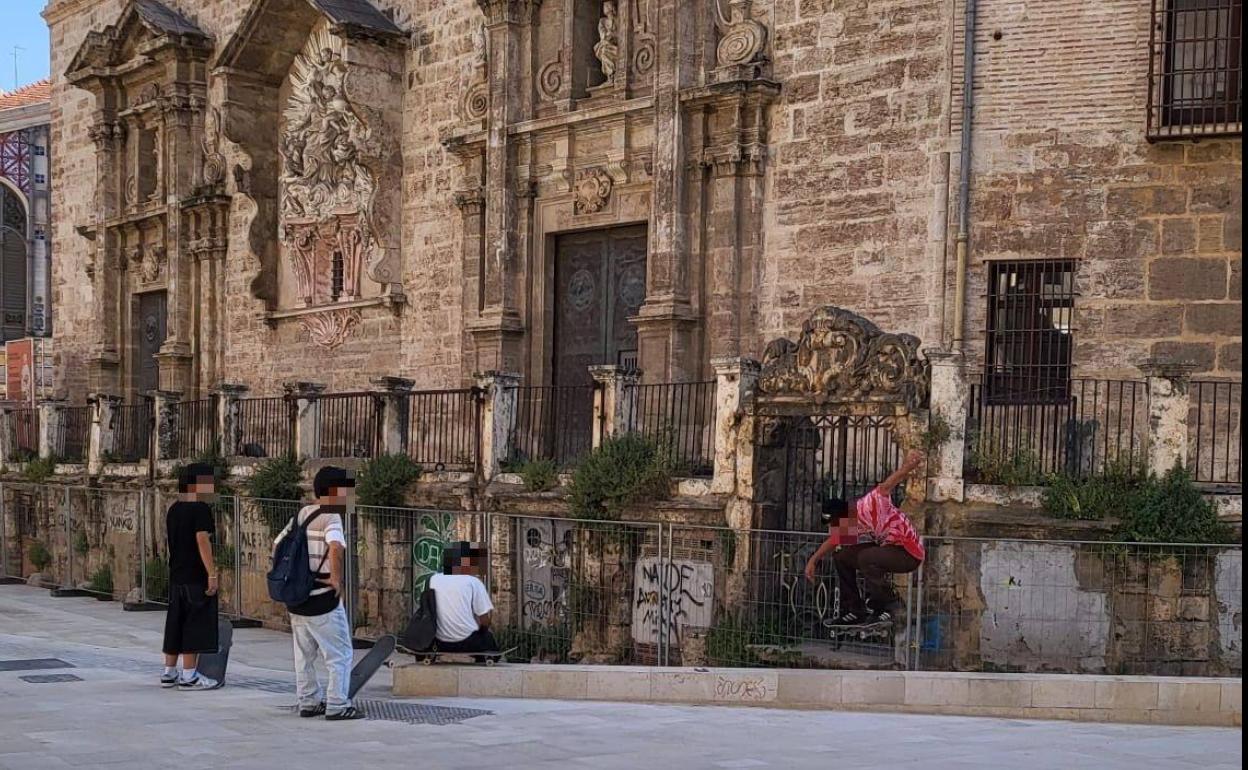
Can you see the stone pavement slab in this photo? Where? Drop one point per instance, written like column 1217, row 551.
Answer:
column 117, row 717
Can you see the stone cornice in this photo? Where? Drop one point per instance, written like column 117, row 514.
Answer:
column 58, row 10
column 509, row 11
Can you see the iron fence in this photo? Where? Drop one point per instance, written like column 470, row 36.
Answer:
column 1092, row 425
column 132, row 432
column 1194, row 69
column 197, row 427
column 24, row 432
column 266, row 427
column 680, row 417
column 1214, row 426
column 553, row 423
column 444, row 428
column 75, row 430
column 350, row 424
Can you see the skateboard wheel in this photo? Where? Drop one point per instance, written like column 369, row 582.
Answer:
column 490, row 661
column 426, row 661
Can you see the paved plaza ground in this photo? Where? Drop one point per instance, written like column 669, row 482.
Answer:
column 113, row 714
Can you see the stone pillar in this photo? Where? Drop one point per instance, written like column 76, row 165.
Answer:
column 615, row 400
column 1168, row 407
column 229, row 422
column 51, row 424
column 100, row 439
column 498, row 413
column 734, row 379
column 951, row 400
column 396, row 403
column 307, row 442
column 6, row 436
column 165, row 403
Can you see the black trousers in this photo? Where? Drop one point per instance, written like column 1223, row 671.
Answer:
column 480, row 641
column 876, row 563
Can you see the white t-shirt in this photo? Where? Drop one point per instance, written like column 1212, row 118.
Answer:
column 324, row 529
column 461, row 600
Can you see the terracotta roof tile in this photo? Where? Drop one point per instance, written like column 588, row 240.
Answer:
column 31, row 93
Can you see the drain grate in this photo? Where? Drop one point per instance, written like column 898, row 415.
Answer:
column 49, row 678
column 412, row 713
column 33, row 664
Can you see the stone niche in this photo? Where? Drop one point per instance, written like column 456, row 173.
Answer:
column 315, row 105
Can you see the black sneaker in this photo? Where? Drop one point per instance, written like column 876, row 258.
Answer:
column 314, row 711
column 350, row 712
column 847, row 619
column 168, row 681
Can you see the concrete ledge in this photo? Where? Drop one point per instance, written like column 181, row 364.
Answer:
column 1086, row 698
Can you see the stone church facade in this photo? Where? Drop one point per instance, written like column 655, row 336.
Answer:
column 266, row 191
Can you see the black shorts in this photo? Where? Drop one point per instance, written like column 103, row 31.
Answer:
column 191, row 623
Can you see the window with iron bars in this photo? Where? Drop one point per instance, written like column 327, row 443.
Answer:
column 337, row 276
column 1031, row 309
column 1194, row 68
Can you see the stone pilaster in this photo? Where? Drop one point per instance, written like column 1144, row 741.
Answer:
column 165, row 403
column 734, row 380
column 498, row 413
column 307, row 442
column 615, row 400
column 51, row 427
column 1168, row 407
column 6, row 436
column 950, row 402
column 100, row 440
column 229, row 421
column 396, row 404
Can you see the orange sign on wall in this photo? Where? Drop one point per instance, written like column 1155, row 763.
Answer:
column 20, row 370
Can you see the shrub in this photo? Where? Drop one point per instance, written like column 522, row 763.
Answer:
column 82, row 546
column 40, row 469
column 384, row 480
column 538, row 475
column 1106, row 495
column 157, row 588
column 1018, row 467
column 102, row 581
column 936, row 434
column 622, row 471
column 1171, row 509
column 275, row 481
column 40, row 556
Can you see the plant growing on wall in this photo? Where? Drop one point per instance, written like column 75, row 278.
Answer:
column 223, row 556
column 936, row 433
column 40, row 556
column 275, row 482
column 82, row 546
column 624, row 470
column 40, row 469
column 538, row 475
column 384, row 480
column 1171, row 509
column 102, row 581
column 1092, row 498
column 1016, row 467
column 157, row 573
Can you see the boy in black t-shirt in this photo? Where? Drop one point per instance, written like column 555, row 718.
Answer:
column 191, row 622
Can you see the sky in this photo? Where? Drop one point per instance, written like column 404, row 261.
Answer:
column 22, row 26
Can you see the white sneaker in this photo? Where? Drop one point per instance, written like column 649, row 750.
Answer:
column 200, row 682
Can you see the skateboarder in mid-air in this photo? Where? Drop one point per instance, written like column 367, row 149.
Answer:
column 464, row 606
column 893, row 548
column 191, row 622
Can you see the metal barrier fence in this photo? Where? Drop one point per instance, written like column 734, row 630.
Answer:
column 132, row 432
column 663, row 594
column 553, row 423
column 350, row 424
column 681, row 417
column 197, row 427
column 1080, row 430
column 1214, row 426
column 75, row 430
column 444, row 428
column 24, row 432
column 267, row 427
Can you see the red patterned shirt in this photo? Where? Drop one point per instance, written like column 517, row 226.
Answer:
column 887, row 525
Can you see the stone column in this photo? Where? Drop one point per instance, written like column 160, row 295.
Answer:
column 396, row 404
column 307, row 442
column 229, row 422
column 51, row 424
column 498, row 413
column 165, row 402
column 734, row 379
column 100, row 439
column 951, row 394
column 615, row 401
column 1168, row 407
column 6, row 436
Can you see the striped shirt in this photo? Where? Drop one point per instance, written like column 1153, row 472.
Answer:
column 324, row 529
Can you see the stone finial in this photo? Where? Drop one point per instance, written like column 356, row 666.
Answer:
column 393, row 384
column 304, row 389
column 1169, row 370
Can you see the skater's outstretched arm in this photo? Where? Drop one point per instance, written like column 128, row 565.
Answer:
column 914, row 458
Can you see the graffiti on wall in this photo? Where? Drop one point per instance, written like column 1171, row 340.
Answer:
column 544, row 570
column 671, row 595
column 436, row 530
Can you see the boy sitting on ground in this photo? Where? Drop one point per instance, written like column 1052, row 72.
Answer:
column 464, row 606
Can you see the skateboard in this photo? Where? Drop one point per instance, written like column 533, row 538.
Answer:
column 488, row 658
column 212, row 665
column 880, row 630
column 368, row 665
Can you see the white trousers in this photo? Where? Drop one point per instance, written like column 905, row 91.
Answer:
column 328, row 637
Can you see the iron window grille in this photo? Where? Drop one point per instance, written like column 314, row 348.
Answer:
column 1030, row 328
column 1194, row 68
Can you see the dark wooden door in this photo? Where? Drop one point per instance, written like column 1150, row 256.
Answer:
column 600, row 281
column 150, row 334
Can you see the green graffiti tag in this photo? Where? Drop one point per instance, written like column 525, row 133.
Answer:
column 436, row 530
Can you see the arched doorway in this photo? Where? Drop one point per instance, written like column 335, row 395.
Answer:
column 13, row 263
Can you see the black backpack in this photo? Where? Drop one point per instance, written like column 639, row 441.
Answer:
column 422, row 627
column 291, row 580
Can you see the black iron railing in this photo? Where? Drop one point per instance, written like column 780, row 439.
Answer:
column 444, row 428
column 71, row 444
column 267, row 427
column 1094, row 423
column 680, row 416
column 350, row 424
column 24, row 432
column 1214, row 426
column 132, row 432
column 553, row 423
column 196, row 427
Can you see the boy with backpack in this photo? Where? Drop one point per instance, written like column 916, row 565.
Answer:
column 308, row 559
column 191, row 621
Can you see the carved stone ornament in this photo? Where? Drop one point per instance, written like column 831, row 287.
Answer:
column 741, row 37
column 550, row 78
column 477, row 100
column 842, row 357
column 592, row 191
column 152, row 262
column 214, row 161
column 477, row 95
column 331, row 328
column 607, row 49
column 643, row 39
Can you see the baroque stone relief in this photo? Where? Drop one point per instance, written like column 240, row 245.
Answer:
column 214, row 160
column 477, row 95
column 331, row 328
column 842, row 357
column 592, row 191
column 741, row 38
column 607, row 49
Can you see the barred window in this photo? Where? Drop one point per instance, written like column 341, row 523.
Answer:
column 1194, row 68
column 1029, row 344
